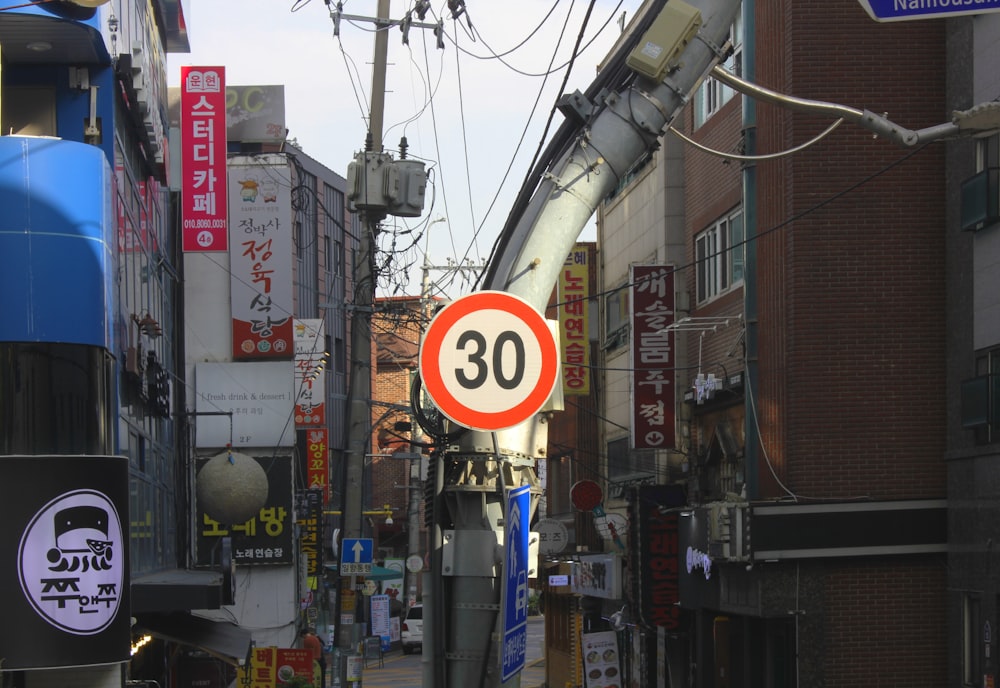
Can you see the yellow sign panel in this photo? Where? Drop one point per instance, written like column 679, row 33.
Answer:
column 574, row 322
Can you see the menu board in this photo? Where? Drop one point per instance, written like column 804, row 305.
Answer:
column 601, row 665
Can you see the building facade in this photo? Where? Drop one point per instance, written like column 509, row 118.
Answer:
column 102, row 419
column 797, row 518
column 972, row 340
column 90, row 352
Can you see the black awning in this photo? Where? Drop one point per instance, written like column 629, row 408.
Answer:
column 221, row 639
column 177, row 590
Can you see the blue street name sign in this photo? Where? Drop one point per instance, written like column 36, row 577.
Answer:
column 905, row 10
column 515, row 589
column 356, row 556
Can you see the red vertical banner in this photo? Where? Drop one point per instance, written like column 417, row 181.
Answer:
column 652, row 357
column 203, row 149
column 317, row 468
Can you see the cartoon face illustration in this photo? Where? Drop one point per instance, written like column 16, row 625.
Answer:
column 270, row 189
column 82, row 543
column 248, row 190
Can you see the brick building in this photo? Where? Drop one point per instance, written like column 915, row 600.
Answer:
column 809, row 340
column 396, row 329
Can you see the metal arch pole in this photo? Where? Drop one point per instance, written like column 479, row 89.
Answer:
column 627, row 126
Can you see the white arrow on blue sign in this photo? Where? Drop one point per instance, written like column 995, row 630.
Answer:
column 905, row 10
column 356, row 556
column 515, row 589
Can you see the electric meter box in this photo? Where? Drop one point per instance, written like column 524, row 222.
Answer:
column 659, row 51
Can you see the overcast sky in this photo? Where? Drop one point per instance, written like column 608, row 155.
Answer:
column 468, row 133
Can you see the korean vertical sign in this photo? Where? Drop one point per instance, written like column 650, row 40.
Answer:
column 652, row 356
column 203, row 144
column 310, row 403
column 310, row 361
column 260, row 259
column 574, row 324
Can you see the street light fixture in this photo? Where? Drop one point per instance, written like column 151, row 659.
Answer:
column 979, row 120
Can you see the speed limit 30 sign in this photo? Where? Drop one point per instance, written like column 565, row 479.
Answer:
column 489, row 361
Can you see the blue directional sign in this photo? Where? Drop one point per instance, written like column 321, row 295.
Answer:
column 904, row 10
column 356, row 556
column 515, row 588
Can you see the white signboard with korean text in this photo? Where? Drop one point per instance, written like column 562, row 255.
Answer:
column 255, row 397
column 260, row 257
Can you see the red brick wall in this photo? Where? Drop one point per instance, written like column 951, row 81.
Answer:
column 884, row 625
column 391, row 387
column 851, row 278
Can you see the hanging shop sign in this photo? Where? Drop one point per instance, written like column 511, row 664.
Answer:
column 260, row 258
column 652, row 356
column 655, row 540
column 574, row 322
column 203, row 149
column 268, row 537
column 66, row 577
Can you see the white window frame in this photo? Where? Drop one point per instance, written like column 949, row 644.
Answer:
column 718, row 255
column 713, row 94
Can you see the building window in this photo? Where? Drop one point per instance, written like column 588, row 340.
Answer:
column 630, row 174
column 619, row 461
column 616, row 318
column 980, row 396
column 719, row 257
column 713, row 94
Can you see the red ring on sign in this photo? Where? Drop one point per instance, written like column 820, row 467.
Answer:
column 430, row 368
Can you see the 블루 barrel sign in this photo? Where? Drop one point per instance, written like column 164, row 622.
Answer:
column 489, row 361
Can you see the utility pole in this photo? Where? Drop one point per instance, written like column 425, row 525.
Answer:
column 359, row 406
column 377, row 186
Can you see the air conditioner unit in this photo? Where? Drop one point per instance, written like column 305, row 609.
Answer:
column 728, row 539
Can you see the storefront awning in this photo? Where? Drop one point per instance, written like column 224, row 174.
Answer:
column 177, row 589
column 221, row 639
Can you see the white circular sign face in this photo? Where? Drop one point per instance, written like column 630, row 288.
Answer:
column 414, row 563
column 489, row 361
column 552, row 536
column 71, row 562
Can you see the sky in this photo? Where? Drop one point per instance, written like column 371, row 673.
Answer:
column 475, row 120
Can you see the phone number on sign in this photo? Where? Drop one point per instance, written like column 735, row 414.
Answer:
column 204, row 224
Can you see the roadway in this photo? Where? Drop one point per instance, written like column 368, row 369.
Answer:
column 405, row 671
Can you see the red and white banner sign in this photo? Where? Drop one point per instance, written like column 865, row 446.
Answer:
column 310, row 363
column 203, row 154
column 260, row 260
column 652, row 356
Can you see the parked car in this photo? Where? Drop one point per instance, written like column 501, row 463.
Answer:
column 412, row 630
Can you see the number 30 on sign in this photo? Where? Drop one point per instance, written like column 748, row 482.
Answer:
column 489, row 361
